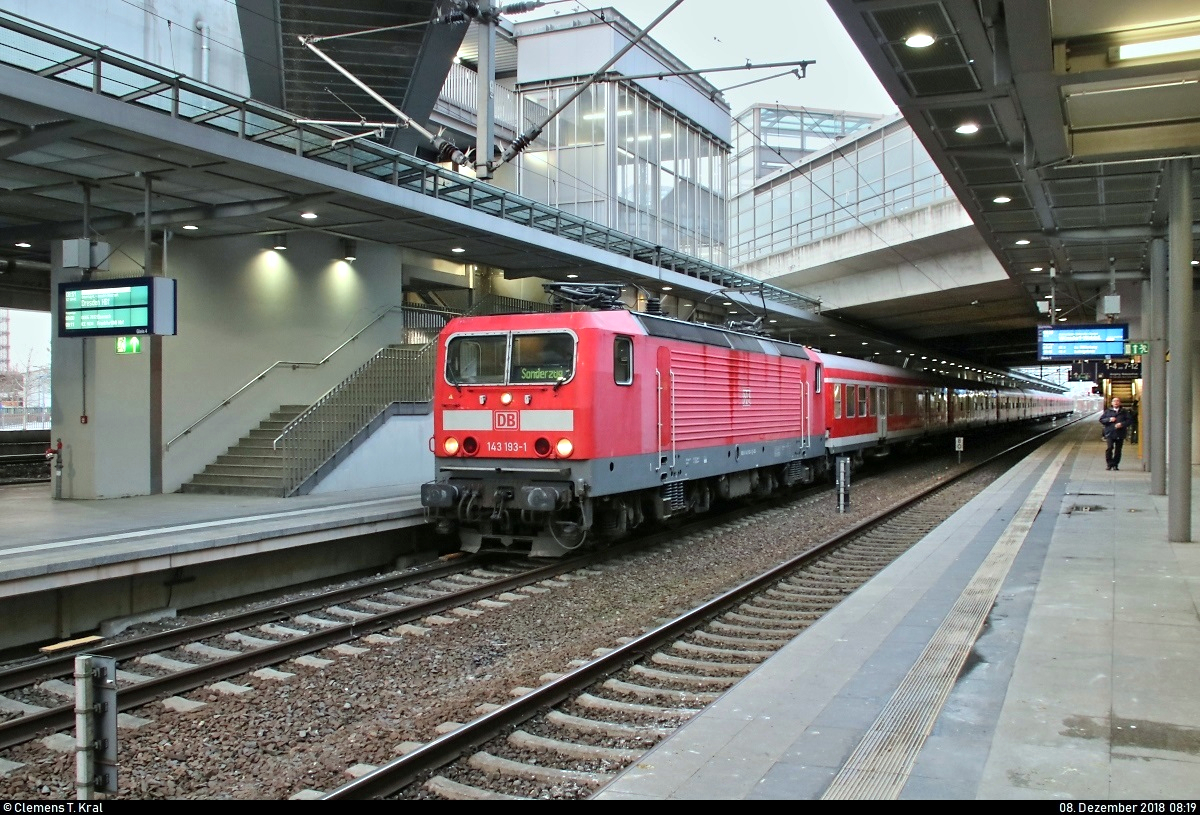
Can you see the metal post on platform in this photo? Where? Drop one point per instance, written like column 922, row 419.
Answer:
column 95, row 726
column 958, row 447
column 843, row 483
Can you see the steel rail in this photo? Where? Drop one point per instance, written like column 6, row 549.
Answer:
column 25, row 728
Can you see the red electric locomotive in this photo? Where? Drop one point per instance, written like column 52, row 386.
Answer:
column 556, row 430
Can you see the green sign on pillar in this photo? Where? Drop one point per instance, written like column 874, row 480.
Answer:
column 129, row 345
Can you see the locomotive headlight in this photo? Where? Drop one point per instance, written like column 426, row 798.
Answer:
column 450, row 445
column 506, row 398
column 564, row 448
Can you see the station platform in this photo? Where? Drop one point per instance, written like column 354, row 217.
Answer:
column 1042, row 643
column 49, row 544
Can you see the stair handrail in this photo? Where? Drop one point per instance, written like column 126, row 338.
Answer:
column 294, row 366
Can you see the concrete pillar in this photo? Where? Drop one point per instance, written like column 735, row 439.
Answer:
column 1179, row 373
column 101, row 406
column 1154, row 370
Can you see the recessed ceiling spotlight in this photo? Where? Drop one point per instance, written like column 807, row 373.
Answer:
column 772, row 321
column 666, row 288
column 308, row 216
column 458, row 250
column 190, row 227
column 833, row 335
column 1062, row 319
column 864, row 342
column 1194, row 262
column 24, row 245
column 1035, row 268
column 572, row 276
column 1001, row 199
column 919, row 39
column 1023, row 242
column 967, row 128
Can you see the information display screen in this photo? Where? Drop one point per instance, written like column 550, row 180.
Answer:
column 101, row 308
column 1082, row 342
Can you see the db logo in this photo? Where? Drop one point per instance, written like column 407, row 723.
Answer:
column 506, row 419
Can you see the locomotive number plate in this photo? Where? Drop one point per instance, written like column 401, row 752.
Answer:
column 506, row 420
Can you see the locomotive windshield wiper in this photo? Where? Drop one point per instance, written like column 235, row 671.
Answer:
column 453, row 379
column 558, row 383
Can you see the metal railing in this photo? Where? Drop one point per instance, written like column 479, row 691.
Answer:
column 46, row 52
column 392, row 375
column 296, row 365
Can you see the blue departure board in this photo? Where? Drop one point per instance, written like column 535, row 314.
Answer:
column 1082, row 341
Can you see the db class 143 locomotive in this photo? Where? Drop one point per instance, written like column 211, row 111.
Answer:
column 560, row 430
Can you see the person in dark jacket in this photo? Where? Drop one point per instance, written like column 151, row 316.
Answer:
column 1116, row 421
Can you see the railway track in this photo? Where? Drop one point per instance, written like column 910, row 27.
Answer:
column 636, row 704
column 37, row 696
column 568, row 737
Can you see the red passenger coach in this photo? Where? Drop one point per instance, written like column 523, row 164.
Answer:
column 551, row 427
column 552, row 431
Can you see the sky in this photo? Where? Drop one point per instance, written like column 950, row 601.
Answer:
column 29, row 339
column 721, row 33
column 704, row 34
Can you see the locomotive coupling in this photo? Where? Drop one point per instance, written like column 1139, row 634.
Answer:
column 540, row 497
column 439, row 496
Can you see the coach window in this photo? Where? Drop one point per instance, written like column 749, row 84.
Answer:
column 837, row 401
column 819, row 377
column 623, row 361
column 863, row 393
column 851, row 401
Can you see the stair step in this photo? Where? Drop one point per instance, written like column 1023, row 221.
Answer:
column 273, row 481
column 255, row 457
column 274, row 470
column 230, row 489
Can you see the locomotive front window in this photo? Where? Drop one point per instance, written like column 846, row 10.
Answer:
column 542, row 358
column 476, row 360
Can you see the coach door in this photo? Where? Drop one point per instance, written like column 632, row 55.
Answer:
column 881, row 410
column 665, row 382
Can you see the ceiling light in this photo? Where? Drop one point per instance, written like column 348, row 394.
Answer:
column 1194, row 262
column 864, row 342
column 1062, row 319
column 919, row 39
column 308, row 216
column 1035, row 268
column 1001, row 199
column 967, row 128
column 833, row 335
column 772, row 321
column 24, row 245
column 280, row 242
column 666, row 288
column 1023, row 242
column 1158, row 48
column 190, row 227
column 349, row 250
column 458, row 250
column 572, row 276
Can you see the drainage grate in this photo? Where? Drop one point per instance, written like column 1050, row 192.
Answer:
column 1086, row 508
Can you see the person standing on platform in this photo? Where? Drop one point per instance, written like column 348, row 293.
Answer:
column 1116, row 421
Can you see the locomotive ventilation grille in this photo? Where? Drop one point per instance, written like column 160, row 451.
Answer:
column 676, row 496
